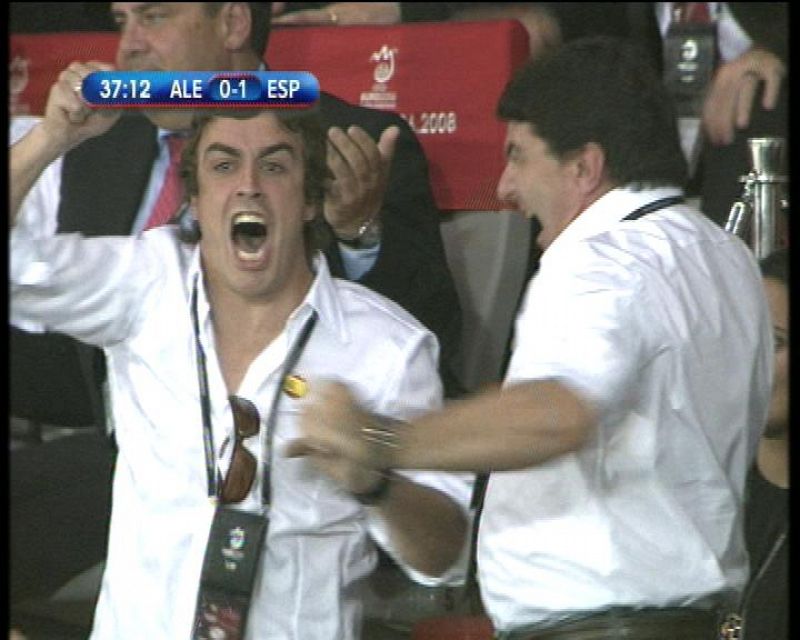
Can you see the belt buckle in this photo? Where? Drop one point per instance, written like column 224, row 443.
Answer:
column 731, row 627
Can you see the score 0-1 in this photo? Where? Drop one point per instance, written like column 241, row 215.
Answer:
column 166, row 89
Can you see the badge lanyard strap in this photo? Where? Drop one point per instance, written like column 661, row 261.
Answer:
column 657, row 205
column 288, row 364
column 205, row 401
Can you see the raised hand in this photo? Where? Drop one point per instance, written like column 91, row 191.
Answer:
column 360, row 170
column 69, row 120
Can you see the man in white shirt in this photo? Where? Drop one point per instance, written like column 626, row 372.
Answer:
column 619, row 444
column 192, row 333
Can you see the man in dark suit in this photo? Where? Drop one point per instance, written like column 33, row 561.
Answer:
column 380, row 211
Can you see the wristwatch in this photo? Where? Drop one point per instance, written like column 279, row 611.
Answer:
column 367, row 236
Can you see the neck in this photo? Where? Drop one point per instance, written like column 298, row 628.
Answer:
column 773, row 461
column 244, row 327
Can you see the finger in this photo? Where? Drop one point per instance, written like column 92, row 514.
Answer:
column 65, row 96
column 388, row 143
column 337, row 163
column 369, row 149
column 772, row 86
column 718, row 113
column 744, row 103
column 350, row 151
column 71, row 79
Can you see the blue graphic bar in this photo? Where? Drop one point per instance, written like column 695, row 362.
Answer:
column 177, row 89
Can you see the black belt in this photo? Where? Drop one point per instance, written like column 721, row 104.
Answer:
column 674, row 623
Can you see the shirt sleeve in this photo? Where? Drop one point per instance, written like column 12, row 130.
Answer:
column 39, row 209
column 357, row 262
column 92, row 289
column 417, row 389
column 38, row 212
column 586, row 325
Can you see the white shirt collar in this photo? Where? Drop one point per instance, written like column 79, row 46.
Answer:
column 321, row 296
column 605, row 213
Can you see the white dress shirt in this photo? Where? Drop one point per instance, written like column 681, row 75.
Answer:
column 131, row 296
column 662, row 325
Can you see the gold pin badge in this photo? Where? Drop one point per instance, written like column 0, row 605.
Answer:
column 295, row 386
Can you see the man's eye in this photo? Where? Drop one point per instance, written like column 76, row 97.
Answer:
column 223, row 166
column 152, row 18
column 273, row 167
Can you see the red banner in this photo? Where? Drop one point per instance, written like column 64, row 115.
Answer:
column 443, row 78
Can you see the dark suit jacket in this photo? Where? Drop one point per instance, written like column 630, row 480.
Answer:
column 103, row 181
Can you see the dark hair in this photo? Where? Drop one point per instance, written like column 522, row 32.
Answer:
column 306, row 124
column 601, row 90
column 776, row 266
column 261, row 21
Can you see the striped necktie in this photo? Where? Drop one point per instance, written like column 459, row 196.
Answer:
column 170, row 197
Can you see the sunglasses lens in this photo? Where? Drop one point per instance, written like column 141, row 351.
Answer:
column 240, row 476
column 245, row 417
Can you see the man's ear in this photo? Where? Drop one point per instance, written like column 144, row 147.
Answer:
column 590, row 166
column 237, row 24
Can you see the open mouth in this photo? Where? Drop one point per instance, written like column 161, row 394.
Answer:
column 249, row 234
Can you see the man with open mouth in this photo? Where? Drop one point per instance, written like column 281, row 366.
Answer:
column 212, row 348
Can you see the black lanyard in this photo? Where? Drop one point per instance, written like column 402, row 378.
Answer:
column 205, row 402
column 656, row 205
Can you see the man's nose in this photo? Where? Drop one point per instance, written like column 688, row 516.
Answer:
column 249, row 184
column 132, row 40
column 505, row 189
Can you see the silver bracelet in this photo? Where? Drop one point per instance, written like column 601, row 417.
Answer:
column 383, row 440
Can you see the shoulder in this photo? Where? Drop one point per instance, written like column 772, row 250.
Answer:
column 658, row 250
column 367, row 310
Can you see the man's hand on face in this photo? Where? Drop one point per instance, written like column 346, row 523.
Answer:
column 68, row 120
column 360, row 170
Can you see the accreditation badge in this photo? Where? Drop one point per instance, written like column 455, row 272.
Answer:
column 232, row 559
column 690, row 56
